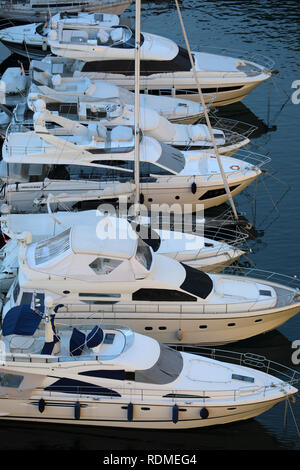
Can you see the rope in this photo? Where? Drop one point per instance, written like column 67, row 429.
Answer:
column 294, row 419
column 206, row 113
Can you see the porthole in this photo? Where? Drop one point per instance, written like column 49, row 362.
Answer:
column 144, row 408
column 162, row 327
column 203, row 326
column 148, row 328
column 177, row 197
column 150, row 199
column 66, row 292
column 231, row 324
column 258, row 320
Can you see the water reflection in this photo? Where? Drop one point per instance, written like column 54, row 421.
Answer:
column 250, row 434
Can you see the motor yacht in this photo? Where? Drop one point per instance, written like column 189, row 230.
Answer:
column 109, row 273
column 112, row 376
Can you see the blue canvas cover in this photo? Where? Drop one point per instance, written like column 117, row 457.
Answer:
column 21, row 320
column 77, row 342
column 95, row 337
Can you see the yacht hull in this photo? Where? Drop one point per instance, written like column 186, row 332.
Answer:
column 176, row 193
column 108, row 413
column 27, row 50
column 225, row 89
column 165, row 323
column 22, row 13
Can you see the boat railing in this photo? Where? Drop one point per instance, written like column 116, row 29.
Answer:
column 162, row 395
column 5, row 22
column 90, row 311
column 254, row 159
column 232, row 128
column 234, row 237
column 193, row 396
column 247, row 359
column 261, row 274
column 251, row 56
column 12, row 4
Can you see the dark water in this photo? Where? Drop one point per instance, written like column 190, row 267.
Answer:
column 270, row 28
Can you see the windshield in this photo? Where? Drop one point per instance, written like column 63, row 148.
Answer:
column 196, row 282
column 143, row 254
column 167, row 368
column 51, row 248
column 171, row 158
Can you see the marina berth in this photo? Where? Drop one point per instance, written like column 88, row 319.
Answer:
column 110, row 273
column 66, row 157
column 165, row 67
column 112, row 376
column 37, row 10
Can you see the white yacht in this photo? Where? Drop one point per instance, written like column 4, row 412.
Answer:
column 108, row 54
column 38, row 10
column 30, row 40
column 112, row 376
column 183, row 136
column 15, row 86
column 109, row 273
column 198, row 251
column 229, row 135
column 61, row 156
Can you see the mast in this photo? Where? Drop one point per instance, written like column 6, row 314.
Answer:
column 137, row 104
column 206, row 114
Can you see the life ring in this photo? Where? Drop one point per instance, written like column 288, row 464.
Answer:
column 234, row 167
column 3, row 136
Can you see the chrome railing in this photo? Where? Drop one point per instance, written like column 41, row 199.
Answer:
column 247, row 359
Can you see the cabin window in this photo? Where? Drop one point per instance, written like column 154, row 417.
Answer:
column 66, row 385
column 10, row 380
column 104, row 265
column 179, row 63
column 110, row 374
column 216, row 192
column 78, row 172
column 90, row 294
column 162, row 295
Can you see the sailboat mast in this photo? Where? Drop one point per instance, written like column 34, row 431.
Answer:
column 137, row 103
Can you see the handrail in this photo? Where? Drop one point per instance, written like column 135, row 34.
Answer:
column 247, row 359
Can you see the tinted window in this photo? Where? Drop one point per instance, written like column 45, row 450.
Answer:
column 162, row 295
column 180, row 63
column 196, row 282
column 65, row 385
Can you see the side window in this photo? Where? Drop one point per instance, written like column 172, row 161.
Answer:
column 162, row 295
column 10, row 380
column 104, row 265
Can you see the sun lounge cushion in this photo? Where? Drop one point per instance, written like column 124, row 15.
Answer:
column 77, row 342
column 116, row 34
column 121, row 134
